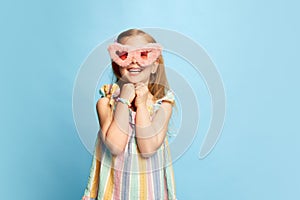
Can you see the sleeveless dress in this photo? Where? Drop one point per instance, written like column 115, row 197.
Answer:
column 129, row 176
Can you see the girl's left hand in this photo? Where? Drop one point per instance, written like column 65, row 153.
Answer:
column 141, row 91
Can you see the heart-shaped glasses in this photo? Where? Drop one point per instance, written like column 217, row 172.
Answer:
column 145, row 55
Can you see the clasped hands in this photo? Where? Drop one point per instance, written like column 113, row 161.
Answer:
column 138, row 91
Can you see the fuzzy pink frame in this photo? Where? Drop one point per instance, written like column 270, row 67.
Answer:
column 154, row 51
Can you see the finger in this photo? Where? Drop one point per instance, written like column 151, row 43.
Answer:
column 145, row 89
column 138, row 88
column 138, row 85
column 131, row 85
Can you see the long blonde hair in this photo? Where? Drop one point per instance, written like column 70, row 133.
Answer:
column 158, row 83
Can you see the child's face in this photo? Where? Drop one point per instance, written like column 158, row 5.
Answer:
column 134, row 72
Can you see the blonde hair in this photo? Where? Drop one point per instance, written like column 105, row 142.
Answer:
column 158, row 83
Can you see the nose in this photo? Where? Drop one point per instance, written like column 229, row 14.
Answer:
column 133, row 60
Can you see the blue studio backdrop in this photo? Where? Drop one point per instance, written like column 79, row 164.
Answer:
column 254, row 45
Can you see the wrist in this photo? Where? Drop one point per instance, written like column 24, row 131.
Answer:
column 141, row 105
column 124, row 101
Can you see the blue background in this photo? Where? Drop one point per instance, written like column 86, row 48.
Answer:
column 254, row 44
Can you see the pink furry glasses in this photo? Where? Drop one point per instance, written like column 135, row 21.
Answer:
column 145, row 55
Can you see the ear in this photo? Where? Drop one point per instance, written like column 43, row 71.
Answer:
column 154, row 67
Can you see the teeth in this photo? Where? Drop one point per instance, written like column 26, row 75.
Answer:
column 135, row 70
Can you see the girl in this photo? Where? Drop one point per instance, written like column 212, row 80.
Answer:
column 132, row 158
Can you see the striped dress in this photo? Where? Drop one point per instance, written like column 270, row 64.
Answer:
column 129, row 176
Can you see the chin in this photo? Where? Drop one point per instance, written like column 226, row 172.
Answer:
column 134, row 79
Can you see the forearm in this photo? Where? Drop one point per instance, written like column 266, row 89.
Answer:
column 116, row 136
column 147, row 132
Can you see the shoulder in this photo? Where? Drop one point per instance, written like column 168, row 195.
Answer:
column 109, row 90
column 167, row 108
column 169, row 98
column 166, row 103
column 107, row 94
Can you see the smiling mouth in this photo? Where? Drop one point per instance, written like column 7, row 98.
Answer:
column 135, row 70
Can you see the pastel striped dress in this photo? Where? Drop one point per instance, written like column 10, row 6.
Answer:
column 129, row 176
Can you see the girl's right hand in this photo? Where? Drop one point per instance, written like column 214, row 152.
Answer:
column 128, row 92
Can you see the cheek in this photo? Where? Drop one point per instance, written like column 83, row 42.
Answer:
column 151, row 68
column 122, row 71
column 148, row 69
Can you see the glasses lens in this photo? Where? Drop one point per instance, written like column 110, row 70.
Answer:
column 144, row 54
column 122, row 55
